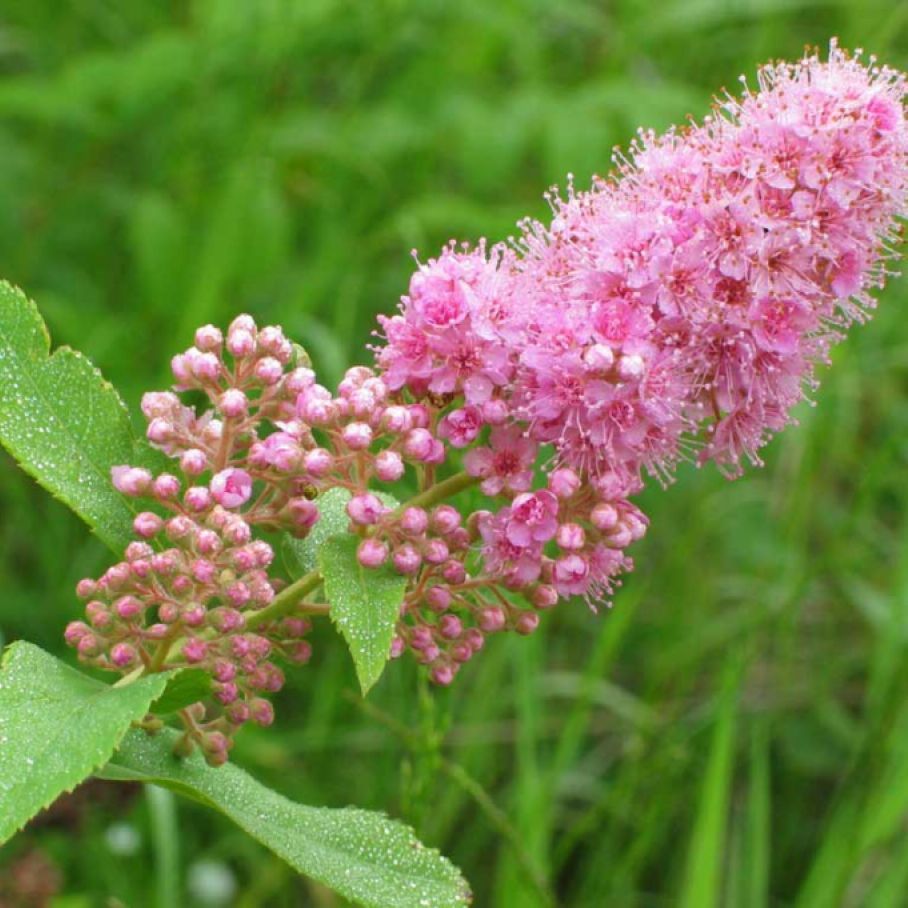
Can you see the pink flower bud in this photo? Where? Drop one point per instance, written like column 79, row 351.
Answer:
column 206, row 367
column 272, row 341
column 462, row 652
column 414, row 521
column 168, row 612
column 156, row 631
column 236, row 531
column 116, row 576
column 564, row 482
column 301, row 652
column 159, row 431
column 604, row 516
column 419, row 445
column 454, row 572
column 227, row 620
column 193, row 462
column 239, row 594
column 474, row 638
column 268, row 370
column 209, row 338
column 406, row 559
column 438, row 598
column 160, row 403
column 98, row 614
column 388, row 466
column 203, row 570
column 445, row 519
column 397, row 420
column 299, row 380
column 261, row 712
column 372, row 553
column 357, row 436
column 366, row 509
column 436, row 551
column 195, row 650
column 491, row 618
column 397, row 647
column 132, row 481
column 443, row 674
column 88, row 645
column 231, row 488
column 237, row 713
column 194, row 615
column 526, row 623
column 226, row 693
column 147, row 524
column 304, row 512
column 165, row 487
column 128, row 607
column 619, row 538
column 138, row 550
column 75, row 631
column 122, row 655
column 450, row 627
column 223, row 671
column 197, row 499
column 86, row 588
column 362, row 403
column 164, row 563
column 240, row 342
column 544, row 596
column 233, row 404
column 318, row 462
column 179, row 366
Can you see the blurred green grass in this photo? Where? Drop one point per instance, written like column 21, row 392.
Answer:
column 735, row 731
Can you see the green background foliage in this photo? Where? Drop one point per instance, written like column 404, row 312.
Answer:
column 735, row 730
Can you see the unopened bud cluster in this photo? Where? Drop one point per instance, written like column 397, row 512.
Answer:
column 677, row 310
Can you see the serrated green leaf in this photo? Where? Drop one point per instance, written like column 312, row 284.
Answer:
column 64, row 424
column 56, row 727
column 365, row 856
column 187, row 687
column 365, row 604
column 301, row 555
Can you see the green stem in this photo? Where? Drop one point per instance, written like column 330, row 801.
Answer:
column 288, row 599
column 447, row 488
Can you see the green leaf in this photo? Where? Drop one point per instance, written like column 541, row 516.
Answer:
column 301, row 555
column 56, row 727
column 365, row 604
column 366, row 857
column 63, row 423
column 183, row 689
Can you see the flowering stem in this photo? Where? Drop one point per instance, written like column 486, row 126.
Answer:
column 447, row 488
column 288, row 599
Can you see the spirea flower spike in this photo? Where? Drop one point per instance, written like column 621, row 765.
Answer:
column 677, row 310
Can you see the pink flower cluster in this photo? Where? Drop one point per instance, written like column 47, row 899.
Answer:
column 676, row 310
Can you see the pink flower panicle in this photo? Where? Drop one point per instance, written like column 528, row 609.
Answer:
column 677, row 309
